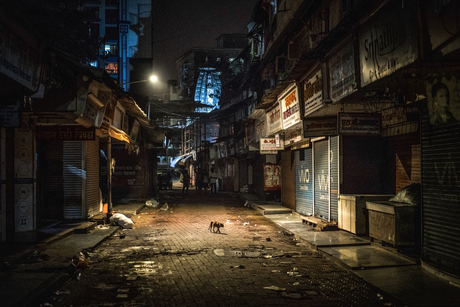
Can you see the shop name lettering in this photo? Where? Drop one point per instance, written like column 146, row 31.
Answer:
column 359, row 122
column 323, row 182
column 384, row 44
column 319, row 126
column 275, row 116
column 126, row 170
column 447, row 174
column 66, row 135
column 290, row 111
column 312, row 88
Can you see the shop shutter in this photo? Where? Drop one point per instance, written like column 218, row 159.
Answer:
column 334, row 180
column 304, row 181
column 441, row 194
column 92, row 177
column 288, row 179
column 50, row 183
column 321, row 179
column 243, row 172
column 73, row 180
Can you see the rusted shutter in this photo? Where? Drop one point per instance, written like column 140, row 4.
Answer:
column 73, row 180
column 92, row 177
column 287, row 179
column 440, row 148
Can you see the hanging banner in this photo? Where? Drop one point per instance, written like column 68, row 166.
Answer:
column 443, row 99
column 290, row 107
column 313, row 93
column 362, row 124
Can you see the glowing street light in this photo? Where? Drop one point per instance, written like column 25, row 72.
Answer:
column 152, row 79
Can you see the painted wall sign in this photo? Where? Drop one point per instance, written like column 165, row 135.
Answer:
column 65, row 133
column 363, row 124
column 274, row 120
column 10, row 115
column 388, row 42
column 290, row 108
column 342, row 73
column 313, row 93
column 443, row 97
column 320, row 126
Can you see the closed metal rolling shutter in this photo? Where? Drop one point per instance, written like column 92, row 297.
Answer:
column 288, row 179
column 321, row 179
column 51, row 183
column 334, row 180
column 243, row 172
column 304, row 181
column 74, row 178
column 441, row 194
column 92, row 177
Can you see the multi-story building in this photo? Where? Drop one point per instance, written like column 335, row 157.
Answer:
column 346, row 98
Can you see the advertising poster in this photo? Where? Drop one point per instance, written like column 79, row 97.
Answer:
column 274, row 120
column 272, row 177
column 443, row 98
column 342, row 73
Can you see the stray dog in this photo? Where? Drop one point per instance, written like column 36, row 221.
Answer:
column 214, row 225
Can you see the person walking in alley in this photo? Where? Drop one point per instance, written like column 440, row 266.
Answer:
column 212, row 181
column 185, row 177
column 199, row 180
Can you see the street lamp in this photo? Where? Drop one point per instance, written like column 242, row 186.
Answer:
column 151, row 79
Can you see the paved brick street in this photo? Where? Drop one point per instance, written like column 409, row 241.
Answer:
column 170, row 258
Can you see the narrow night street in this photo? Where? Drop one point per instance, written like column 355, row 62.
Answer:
column 170, row 258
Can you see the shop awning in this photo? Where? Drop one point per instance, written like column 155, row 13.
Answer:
column 180, row 159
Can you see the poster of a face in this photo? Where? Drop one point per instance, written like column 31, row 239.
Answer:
column 272, row 177
column 443, row 97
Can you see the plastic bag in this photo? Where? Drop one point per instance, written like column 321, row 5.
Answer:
column 181, row 179
column 152, row 203
column 165, row 207
column 122, row 220
column 408, row 195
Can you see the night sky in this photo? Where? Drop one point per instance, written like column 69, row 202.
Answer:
column 182, row 24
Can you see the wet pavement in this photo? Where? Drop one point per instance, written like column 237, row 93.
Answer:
column 262, row 257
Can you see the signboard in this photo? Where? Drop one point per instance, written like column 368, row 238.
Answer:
column 274, row 120
column 9, row 115
column 272, row 177
column 292, row 137
column 290, row 108
column 65, row 133
column 443, row 99
column 268, row 146
column 19, row 55
column 362, row 124
column 342, row 73
column 313, row 93
column 134, row 131
column 388, row 42
column 260, row 128
column 320, row 126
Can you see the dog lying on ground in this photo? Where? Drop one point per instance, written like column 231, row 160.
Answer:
column 214, row 225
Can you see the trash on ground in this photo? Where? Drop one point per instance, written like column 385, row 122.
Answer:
column 121, row 220
column 246, row 223
column 296, row 283
column 237, row 267
column 274, row 288
column 62, row 292
column 164, row 207
column 83, row 261
column 276, row 271
column 102, row 226
column 152, row 203
column 291, row 295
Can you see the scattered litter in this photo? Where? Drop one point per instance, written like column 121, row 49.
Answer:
column 228, row 222
column 267, row 256
column 246, row 204
column 131, row 278
column 122, row 235
column 380, row 297
column 79, row 276
column 164, row 207
column 311, row 292
column 237, row 267
column 123, row 290
column 291, row 295
column 152, row 203
column 102, row 226
column 62, row 292
column 83, row 262
column 296, row 283
column 122, row 220
column 274, row 288
column 254, row 224
column 276, row 271
column 246, row 223
column 122, row 296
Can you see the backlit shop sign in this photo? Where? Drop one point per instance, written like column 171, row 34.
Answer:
column 290, row 108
